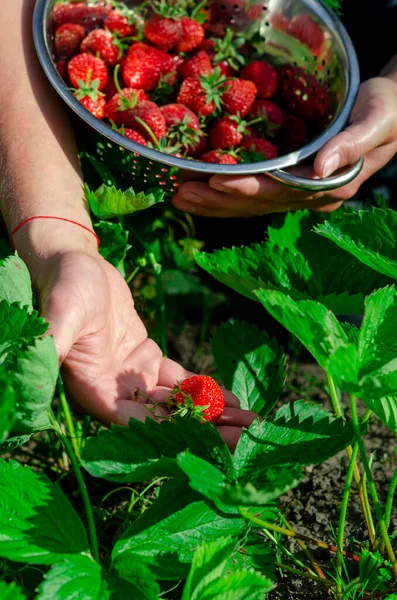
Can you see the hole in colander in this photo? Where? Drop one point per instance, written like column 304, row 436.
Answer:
column 232, row 20
column 323, row 63
column 265, row 8
column 162, row 183
column 164, row 170
column 173, row 178
column 236, row 7
column 267, row 23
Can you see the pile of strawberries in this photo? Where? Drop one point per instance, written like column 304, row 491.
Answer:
column 162, row 77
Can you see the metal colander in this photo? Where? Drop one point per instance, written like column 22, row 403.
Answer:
column 144, row 167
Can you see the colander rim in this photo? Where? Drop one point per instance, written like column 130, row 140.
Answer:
column 282, row 162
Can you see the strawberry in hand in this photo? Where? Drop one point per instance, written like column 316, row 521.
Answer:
column 199, row 397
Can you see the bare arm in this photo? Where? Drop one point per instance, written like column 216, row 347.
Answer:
column 39, row 168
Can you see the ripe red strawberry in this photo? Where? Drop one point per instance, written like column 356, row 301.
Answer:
column 219, row 157
column 122, row 102
column 227, row 132
column 96, row 107
column 62, row 68
column 110, row 89
column 87, row 68
column 175, row 114
column 239, row 96
column 302, row 94
column 192, row 35
column 145, row 65
column 272, row 117
column 307, row 31
column 201, row 396
column 263, row 75
column 134, row 136
column 261, row 149
column 203, row 94
column 100, row 43
column 89, row 15
column 152, row 117
column 68, row 38
column 121, row 21
column 163, row 33
column 184, row 129
column 208, row 46
column 90, row 97
column 293, row 134
column 199, row 64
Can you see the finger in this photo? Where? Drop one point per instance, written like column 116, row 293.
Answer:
column 230, row 436
column 230, row 399
column 140, row 370
column 172, row 373
column 235, row 417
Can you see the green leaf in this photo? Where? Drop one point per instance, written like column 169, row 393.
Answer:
column 114, row 241
column 367, row 235
column 373, row 575
column 10, row 592
column 255, row 552
column 211, row 483
column 75, row 577
column 18, row 328
column 131, row 579
column 251, row 364
column 13, row 442
column 301, row 433
column 37, row 522
column 35, row 376
column 167, row 534
column 108, row 202
column 15, row 285
column 146, row 450
column 7, row 404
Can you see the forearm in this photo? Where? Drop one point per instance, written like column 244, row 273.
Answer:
column 390, row 70
column 39, row 168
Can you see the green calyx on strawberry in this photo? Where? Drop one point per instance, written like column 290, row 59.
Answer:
column 226, row 49
column 214, row 84
column 198, row 397
column 88, row 88
column 229, row 131
column 186, row 136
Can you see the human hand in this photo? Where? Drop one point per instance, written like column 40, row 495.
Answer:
column 103, row 346
column 372, row 133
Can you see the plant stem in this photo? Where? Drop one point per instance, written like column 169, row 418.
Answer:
column 390, row 497
column 287, row 552
column 342, row 517
column 362, row 491
column 294, row 534
column 307, row 551
column 325, row 582
column 68, row 418
column 161, row 317
column 82, row 487
column 133, row 274
column 353, row 585
column 372, row 487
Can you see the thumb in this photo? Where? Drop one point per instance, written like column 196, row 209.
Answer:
column 369, row 128
column 65, row 326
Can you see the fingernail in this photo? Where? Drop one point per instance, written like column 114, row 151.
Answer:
column 190, row 197
column 331, row 165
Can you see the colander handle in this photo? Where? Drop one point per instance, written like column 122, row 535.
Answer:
column 317, row 185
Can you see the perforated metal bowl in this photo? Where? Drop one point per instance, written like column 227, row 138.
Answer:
column 144, row 167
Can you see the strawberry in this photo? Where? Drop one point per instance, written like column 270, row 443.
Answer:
column 303, row 28
column 87, row 68
column 145, row 65
column 110, row 89
column 202, row 94
column 62, row 68
column 68, row 38
column 125, row 100
column 147, row 117
column 121, row 21
column 219, row 157
column 302, row 94
column 208, row 46
column 263, row 75
column 279, row 21
column 198, row 64
column 293, row 134
column 255, row 12
column 100, row 43
column 89, row 15
column 259, row 149
column 227, row 132
column 239, row 96
column 96, row 107
column 272, row 117
column 90, row 97
column 192, row 35
column 163, row 33
column 134, row 136
column 201, row 397
column 184, row 129
column 174, row 114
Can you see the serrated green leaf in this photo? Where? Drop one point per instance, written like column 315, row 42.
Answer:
column 37, row 522
column 7, row 404
column 15, row 285
column 35, row 378
column 367, row 235
column 114, row 241
column 211, row 483
column 108, row 202
column 10, row 592
column 301, row 433
column 168, row 533
column 18, row 328
column 255, row 552
column 75, row 577
column 209, row 563
column 131, row 578
column 251, row 364
column 371, row 574
column 146, row 450
column 240, row 585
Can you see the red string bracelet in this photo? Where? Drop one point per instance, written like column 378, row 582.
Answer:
column 18, row 227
